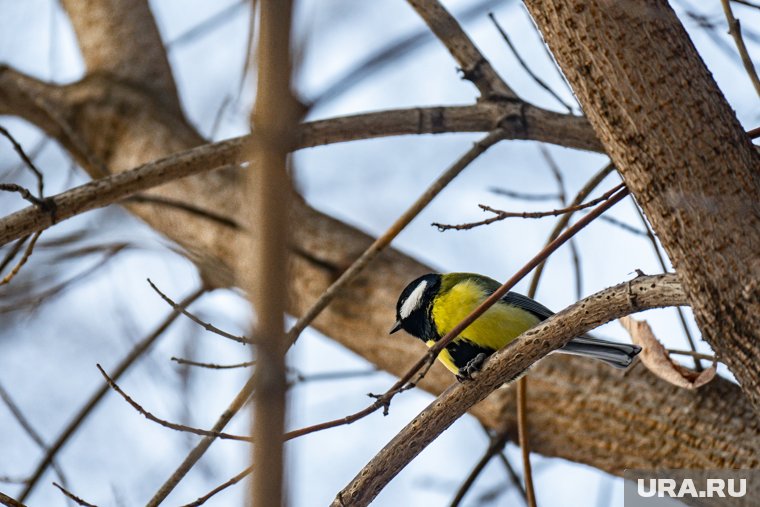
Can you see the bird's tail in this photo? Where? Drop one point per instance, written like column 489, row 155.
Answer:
column 619, row 355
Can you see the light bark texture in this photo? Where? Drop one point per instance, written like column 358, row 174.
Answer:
column 682, row 153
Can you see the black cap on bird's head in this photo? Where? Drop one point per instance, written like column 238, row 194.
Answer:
column 412, row 309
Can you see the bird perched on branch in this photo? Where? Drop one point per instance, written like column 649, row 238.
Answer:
column 430, row 306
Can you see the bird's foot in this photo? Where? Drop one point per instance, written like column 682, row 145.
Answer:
column 472, row 368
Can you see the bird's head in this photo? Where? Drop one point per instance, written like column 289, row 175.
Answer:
column 413, row 307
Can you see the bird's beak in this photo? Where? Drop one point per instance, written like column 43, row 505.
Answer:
column 395, row 327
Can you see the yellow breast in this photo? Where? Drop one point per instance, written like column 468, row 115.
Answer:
column 498, row 326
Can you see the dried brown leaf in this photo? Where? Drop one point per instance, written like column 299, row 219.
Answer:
column 657, row 359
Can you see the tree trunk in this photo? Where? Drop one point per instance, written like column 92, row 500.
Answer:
column 681, row 151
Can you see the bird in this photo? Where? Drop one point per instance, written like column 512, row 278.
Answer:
column 433, row 304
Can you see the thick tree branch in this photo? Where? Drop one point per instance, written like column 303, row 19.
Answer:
column 626, row 298
column 120, row 38
column 682, row 152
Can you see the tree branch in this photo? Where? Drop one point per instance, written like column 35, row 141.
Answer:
column 121, row 39
column 471, row 61
column 699, row 187
column 626, row 298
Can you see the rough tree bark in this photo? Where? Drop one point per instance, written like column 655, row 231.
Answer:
column 681, row 151
column 107, row 121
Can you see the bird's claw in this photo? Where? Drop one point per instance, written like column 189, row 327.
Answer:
column 472, row 368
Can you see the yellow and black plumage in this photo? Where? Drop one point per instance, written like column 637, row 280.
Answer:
column 430, row 306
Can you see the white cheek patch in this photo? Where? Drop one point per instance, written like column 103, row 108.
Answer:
column 413, row 301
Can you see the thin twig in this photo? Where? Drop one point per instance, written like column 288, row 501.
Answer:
column 335, row 375
column 212, row 366
column 185, row 206
column 9, row 501
column 513, row 475
column 664, row 266
column 12, row 253
column 27, row 253
column 747, row 4
column 540, row 82
column 205, row 325
column 522, row 436
column 137, row 351
column 207, row 25
column 239, row 477
column 475, row 67
column 501, row 215
column 557, row 173
column 523, row 196
column 73, row 497
column 391, row 55
column 494, row 447
column 38, row 298
column 696, row 355
column 27, row 161
column 734, row 29
column 7, row 479
column 201, row 447
column 426, row 361
column 24, row 193
column 164, row 422
column 624, row 226
column 565, row 219
column 394, row 230
column 29, row 429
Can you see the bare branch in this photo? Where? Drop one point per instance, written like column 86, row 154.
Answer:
column 501, row 215
column 523, row 196
column 496, row 445
column 121, row 39
column 423, row 365
column 27, row 162
column 73, row 497
column 137, row 352
column 274, row 121
column 29, row 429
column 734, row 28
column 565, row 219
column 200, row 449
column 394, row 230
column 522, row 438
column 639, row 294
column 25, row 257
column 9, row 502
column 515, row 122
column 212, row 366
column 239, row 477
column 205, row 325
column 540, row 82
column 164, row 422
column 474, row 65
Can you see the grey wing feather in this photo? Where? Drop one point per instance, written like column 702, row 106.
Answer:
column 527, row 304
column 619, row 355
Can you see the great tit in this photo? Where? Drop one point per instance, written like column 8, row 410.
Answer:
column 430, row 306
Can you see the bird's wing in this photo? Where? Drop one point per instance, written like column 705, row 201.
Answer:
column 527, row 304
column 514, row 299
